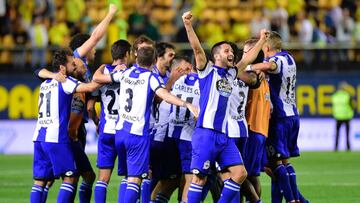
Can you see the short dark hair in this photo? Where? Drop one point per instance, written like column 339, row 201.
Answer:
column 215, row 49
column 161, row 48
column 178, row 58
column 78, row 40
column 119, row 49
column 146, row 56
column 141, row 39
column 60, row 58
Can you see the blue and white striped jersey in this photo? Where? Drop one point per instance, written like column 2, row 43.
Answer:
column 137, row 88
column 282, row 85
column 159, row 119
column 181, row 121
column 54, row 110
column 216, row 88
column 237, row 125
column 109, row 103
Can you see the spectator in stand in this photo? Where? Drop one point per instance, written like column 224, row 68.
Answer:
column 258, row 22
column 59, row 33
column 305, row 34
column 39, row 41
column 21, row 39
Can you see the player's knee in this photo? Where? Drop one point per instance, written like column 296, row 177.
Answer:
column 239, row 174
column 199, row 179
column 89, row 177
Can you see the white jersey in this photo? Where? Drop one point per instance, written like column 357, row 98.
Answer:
column 159, row 120
column 181, row 121
column 54, row 110
column 138, row 87
column 282, row 85
column 109, row 104
column 216, row 88
column 237, row 125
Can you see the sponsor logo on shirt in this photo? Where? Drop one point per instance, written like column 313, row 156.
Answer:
column 224, row 87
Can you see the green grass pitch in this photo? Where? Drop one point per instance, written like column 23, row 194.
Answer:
column 323, row 177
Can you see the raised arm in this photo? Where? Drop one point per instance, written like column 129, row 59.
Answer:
column 171, row 99
column 199, row 53
column 251, row 56
column 98, row 32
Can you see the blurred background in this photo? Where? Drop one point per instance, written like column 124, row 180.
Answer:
column 323, row 36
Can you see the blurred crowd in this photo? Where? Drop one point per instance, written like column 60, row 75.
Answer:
column 40, row 24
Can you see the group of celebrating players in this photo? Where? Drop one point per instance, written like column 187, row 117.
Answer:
column 171, row 125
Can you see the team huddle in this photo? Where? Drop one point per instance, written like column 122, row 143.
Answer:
column 212, row 126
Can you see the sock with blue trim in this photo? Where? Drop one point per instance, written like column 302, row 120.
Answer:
column 194, row 193
column 292, row 176
column 122, row 190
column 66, row 192
column 160, row 198
column 85, row 192
column 229, row 191
column 282, row 177
column 146, row 191
column 100, row 192
column 132, row 193
column 45, row 194
column 276, row 195
column 36, row 194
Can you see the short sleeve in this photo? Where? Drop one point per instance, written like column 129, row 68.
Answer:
column 278, row 63
column 77, row 104
column 70, row 84
column 156, row 82
column 116, row 76
column 77, row 55
column 208, row 68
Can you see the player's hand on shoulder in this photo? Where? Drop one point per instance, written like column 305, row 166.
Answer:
column 60, row 77
column 120, row 67
column 187, row 16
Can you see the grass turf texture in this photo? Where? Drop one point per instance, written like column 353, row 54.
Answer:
column 322, row 177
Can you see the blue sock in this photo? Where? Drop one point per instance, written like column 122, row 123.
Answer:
column 160, row 198
column 276, row 195
column 229, row 191
column 236, row 199
column 45, row 194
column 122, row 190
column 292, row 176
column 206, row 187
column 194, row 193
column 132, row 193
column 85, row 192
column 36, row 194
column 145, row 191
column 66, row 192
column 283, row 180
column 100, row 192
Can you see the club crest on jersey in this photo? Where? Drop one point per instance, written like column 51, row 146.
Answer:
column 206, row 165
column 224, row 87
